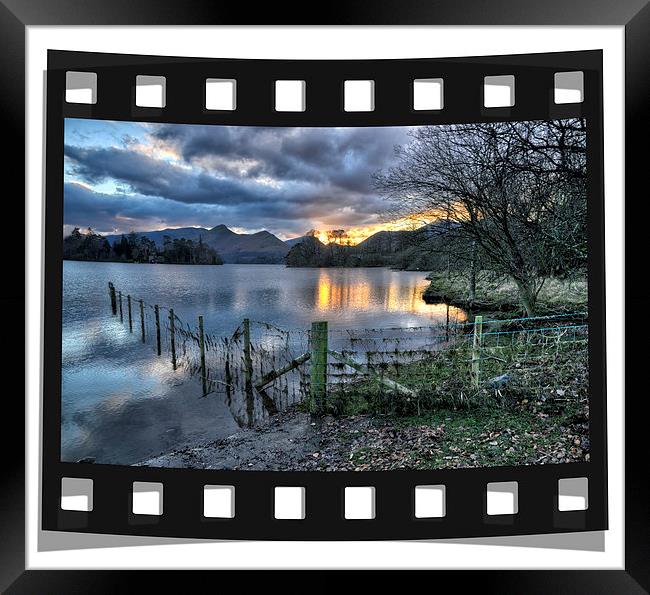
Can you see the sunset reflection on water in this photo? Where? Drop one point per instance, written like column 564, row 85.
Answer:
column 335, row 293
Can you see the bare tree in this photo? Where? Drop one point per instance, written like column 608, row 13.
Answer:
column 336, row 236
column 513, row 195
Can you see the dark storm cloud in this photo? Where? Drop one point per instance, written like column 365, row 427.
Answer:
column 153, row 177
column 108, row 213
column 285, row 180
column 343, row 157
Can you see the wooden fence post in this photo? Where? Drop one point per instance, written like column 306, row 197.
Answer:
column 121, row 312
column 202, row 348
column 476, row 351
column 111, row 289
column 128, row 303
column 228, row 376
column 248, row 370
column 318, row 367
column 172, row 337
column 157, row 313
column 142, row 319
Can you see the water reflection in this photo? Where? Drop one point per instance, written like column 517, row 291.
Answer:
column 122, row 403
column 337, row 290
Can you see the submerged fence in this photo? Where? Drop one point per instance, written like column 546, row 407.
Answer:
column 262, row 369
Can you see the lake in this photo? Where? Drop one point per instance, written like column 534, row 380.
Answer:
column 121, row 403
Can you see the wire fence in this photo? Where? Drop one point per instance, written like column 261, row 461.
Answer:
column 261, row 369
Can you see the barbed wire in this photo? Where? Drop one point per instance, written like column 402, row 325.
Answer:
column 408, row 357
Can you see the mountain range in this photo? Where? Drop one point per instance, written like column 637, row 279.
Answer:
column 239, row 248
column 380, row 249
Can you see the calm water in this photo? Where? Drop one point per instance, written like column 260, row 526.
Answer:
column 122, row 404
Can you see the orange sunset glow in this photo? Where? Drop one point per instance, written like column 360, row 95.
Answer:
column 356, row 234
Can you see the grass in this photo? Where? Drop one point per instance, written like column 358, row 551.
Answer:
column 538, row 415
column 556, row 296
column 526, row 434
column 514, row 367
column 519, row 436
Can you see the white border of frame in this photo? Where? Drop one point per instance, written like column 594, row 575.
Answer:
column 579, row 550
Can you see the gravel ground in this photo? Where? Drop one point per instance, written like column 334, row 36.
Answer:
column 284, row 443
column 292, row 441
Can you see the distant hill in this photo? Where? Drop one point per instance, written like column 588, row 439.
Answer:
column 294, row 241
column 412, row 250
column 401, row 249
column 386, row 242
column 239, row 248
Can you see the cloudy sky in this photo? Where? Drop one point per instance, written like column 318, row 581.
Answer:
column 123, row 176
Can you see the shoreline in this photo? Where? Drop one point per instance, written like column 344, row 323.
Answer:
column 191, row 264
column 527, row 415
column 446, row 439
column 286, row 266
column 500, row 298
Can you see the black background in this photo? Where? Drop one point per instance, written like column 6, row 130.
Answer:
column 395, row 518
column 634, row 14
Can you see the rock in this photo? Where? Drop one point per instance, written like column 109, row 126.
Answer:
column 499, row 381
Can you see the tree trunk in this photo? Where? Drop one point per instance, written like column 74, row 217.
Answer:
column 526, row 297
column 471, row 298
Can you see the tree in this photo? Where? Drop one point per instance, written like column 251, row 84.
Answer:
column 336, row 236
column 308, row 253
column 88, row 246
column 513, row 194
column 137, row 248
column 122, row 250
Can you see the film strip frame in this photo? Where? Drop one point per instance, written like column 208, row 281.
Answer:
column 466, row 489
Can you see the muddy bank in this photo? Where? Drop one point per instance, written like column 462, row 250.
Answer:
column 282, row 444
column 292, row 441
column 525, row 434
column 437, row 295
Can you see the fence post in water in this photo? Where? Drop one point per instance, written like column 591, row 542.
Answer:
column 121, row 312
column 111, row 289
column 142, row 319
column 228, row 381
column 476, row 350
column 172, row 337
column 128, row 303
column 248, row 370
column 318, row 367
column 157, row 313
column 202, row 348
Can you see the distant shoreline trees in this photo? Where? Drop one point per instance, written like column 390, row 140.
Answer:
column 91, row 246
column 415, row 250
